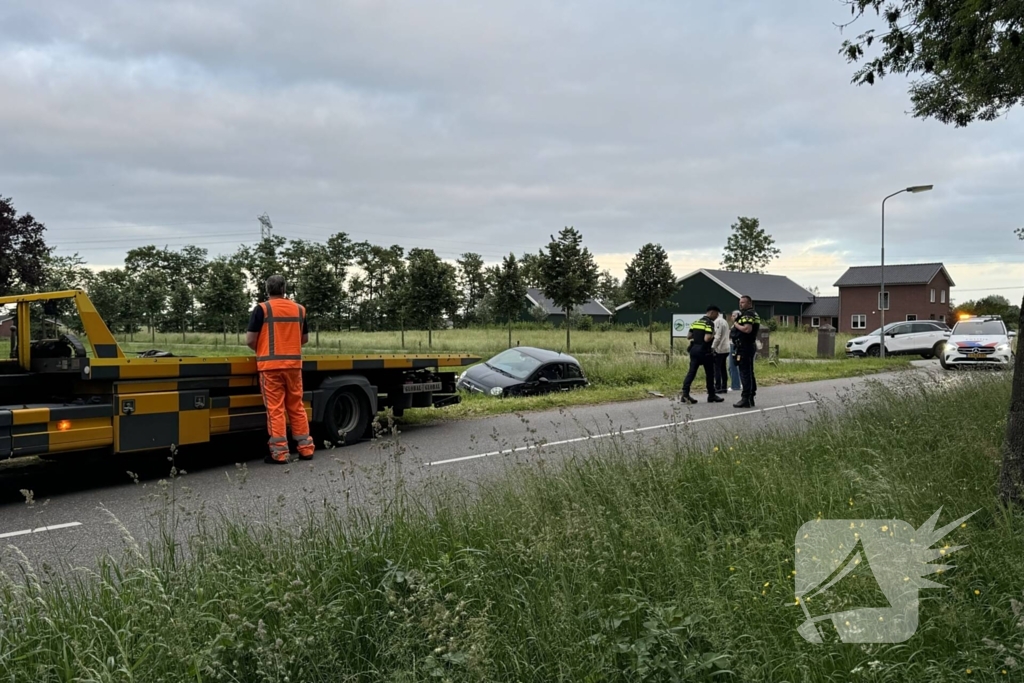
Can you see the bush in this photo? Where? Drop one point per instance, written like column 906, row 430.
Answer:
column 771, row 323
column 583, row 323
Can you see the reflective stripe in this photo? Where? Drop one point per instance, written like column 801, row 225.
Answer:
column 289, row 316
column 269, row 313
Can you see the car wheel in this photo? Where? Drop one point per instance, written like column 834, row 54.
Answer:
column 927, row 356
column 942, row 362
column 872, row 352
column 346, row 418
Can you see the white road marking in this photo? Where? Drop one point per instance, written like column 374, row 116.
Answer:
column 624, row 432
column 52, row 527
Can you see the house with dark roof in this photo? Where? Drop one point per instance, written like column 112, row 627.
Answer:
column 917, row 291
column 6, row 323
column 824, row 311
column 775, row 296
column 535, row 300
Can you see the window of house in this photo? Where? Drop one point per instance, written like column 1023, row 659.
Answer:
column 942, row 298
column 911, row 316
column 858, row 322
column 933, row 296
column 942, row 318
column 815, row 322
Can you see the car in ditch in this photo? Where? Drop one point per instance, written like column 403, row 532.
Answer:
column 925, row 338
column 523, row 371
column 978, row 341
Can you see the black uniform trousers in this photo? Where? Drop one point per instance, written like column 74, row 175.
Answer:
column 721, row 373
column 745, row 363
column 701, row 358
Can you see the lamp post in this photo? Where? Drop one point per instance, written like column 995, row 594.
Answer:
column 882, row 302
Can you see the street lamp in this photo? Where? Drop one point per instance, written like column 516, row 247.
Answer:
column 882, row 302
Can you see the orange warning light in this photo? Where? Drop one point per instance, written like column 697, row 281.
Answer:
column 63, row 425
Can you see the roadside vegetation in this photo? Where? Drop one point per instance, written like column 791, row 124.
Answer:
column 621, row 365
column 672, row 561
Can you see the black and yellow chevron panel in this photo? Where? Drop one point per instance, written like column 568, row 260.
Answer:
column 171, row 368
column 37, row 430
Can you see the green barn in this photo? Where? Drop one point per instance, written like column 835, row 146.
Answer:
column 775, row 296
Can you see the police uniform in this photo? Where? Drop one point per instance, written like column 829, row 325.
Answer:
column 746, row 348
column 701, row 356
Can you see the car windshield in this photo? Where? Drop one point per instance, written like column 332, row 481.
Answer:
column 974, row 328
column 514, row 363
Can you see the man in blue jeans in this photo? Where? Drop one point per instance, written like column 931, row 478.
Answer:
column 734, row 370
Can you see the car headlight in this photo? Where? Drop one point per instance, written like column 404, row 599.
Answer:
column 496, row 391
column 1003, row 348
column 950, row 346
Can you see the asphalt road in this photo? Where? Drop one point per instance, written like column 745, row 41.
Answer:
column 66, row 514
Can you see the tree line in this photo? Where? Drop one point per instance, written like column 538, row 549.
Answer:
column 348, row 285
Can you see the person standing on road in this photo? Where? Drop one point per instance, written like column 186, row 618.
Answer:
column 277, row 331
column 701, row 335
column 747, row 325
column 720, row 347
column 734, row 371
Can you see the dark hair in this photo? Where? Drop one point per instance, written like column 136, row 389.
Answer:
column 275, row 285
column 748, row 298
column 714, row 308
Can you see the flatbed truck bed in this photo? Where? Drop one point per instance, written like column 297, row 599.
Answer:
column 58, row 397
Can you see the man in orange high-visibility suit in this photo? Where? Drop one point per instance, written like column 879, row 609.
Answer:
column 277, row 331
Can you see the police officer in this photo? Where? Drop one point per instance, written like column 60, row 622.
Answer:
column 701, row 334
column 744, row 334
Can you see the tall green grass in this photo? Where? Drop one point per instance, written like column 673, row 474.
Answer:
column 486, row 341
column 664, row 562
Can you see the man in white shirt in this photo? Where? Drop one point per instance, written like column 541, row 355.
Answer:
column 720, row 347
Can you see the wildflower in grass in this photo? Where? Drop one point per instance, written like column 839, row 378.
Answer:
column 732, row 569
column 716, row 449
column 977, row 592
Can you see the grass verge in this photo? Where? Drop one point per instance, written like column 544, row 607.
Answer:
column 621, row 365
column 657, row 564
column 624, row 380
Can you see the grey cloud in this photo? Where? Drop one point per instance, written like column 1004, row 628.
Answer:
column 484, row 124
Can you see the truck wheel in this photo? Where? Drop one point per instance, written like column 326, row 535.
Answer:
column 346, row 418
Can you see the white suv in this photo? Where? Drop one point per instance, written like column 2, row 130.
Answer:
column 978, row 341
column 925, row 338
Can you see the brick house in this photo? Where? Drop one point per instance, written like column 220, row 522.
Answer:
column 919, row 291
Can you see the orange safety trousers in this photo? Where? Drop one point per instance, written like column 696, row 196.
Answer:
column 282, row 397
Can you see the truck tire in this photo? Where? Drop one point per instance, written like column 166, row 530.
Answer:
column 346, row 418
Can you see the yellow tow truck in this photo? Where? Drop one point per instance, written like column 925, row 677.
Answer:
column 60, row 395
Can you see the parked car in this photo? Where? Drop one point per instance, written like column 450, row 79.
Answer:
column 978, row 341
column 523, row 371
column 925, row 338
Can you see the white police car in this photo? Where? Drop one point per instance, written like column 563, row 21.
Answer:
column 978, row 341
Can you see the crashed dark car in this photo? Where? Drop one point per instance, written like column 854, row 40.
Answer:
column 523, row 371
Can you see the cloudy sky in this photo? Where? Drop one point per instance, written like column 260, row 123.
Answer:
column 487, row 126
